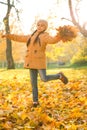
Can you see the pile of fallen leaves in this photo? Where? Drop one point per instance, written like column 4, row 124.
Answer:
column 62, row 107
column 67, row 32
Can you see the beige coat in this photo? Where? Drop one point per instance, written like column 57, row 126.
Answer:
column 35, row 55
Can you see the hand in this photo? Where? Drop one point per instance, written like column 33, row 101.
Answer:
column 67, row 32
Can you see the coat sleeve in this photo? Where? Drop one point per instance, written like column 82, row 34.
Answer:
column 18, row 38
column 50, row 39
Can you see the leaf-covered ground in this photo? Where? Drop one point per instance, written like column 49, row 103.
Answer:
column 62, row 107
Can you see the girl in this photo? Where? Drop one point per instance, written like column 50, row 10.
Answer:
column 35, row 59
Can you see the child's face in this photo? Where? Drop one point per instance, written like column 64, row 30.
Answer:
column 41, row 26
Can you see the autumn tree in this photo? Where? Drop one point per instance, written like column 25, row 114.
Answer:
column 75, row 19
column 9, row 57
column 82, row 28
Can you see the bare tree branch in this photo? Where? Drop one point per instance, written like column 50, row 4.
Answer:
column 6, row 4
column 82, row 29
column 12, row 5
column 66, row 19
column 71, row 12
column 76, row 11
column 84, row 25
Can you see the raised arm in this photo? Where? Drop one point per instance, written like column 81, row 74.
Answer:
column 51, row 39
column 18, row 38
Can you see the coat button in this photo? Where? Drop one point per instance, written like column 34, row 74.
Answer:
column 27, row 64
column 35, row 51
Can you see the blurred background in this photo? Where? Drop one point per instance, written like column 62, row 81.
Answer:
column 20, row 17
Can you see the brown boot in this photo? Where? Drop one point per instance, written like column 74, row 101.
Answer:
column 63, row 78
column 35, row 104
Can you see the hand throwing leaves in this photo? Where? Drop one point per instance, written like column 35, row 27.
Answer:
column 67, row 32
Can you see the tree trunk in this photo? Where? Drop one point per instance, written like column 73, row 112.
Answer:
column 9, row 57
